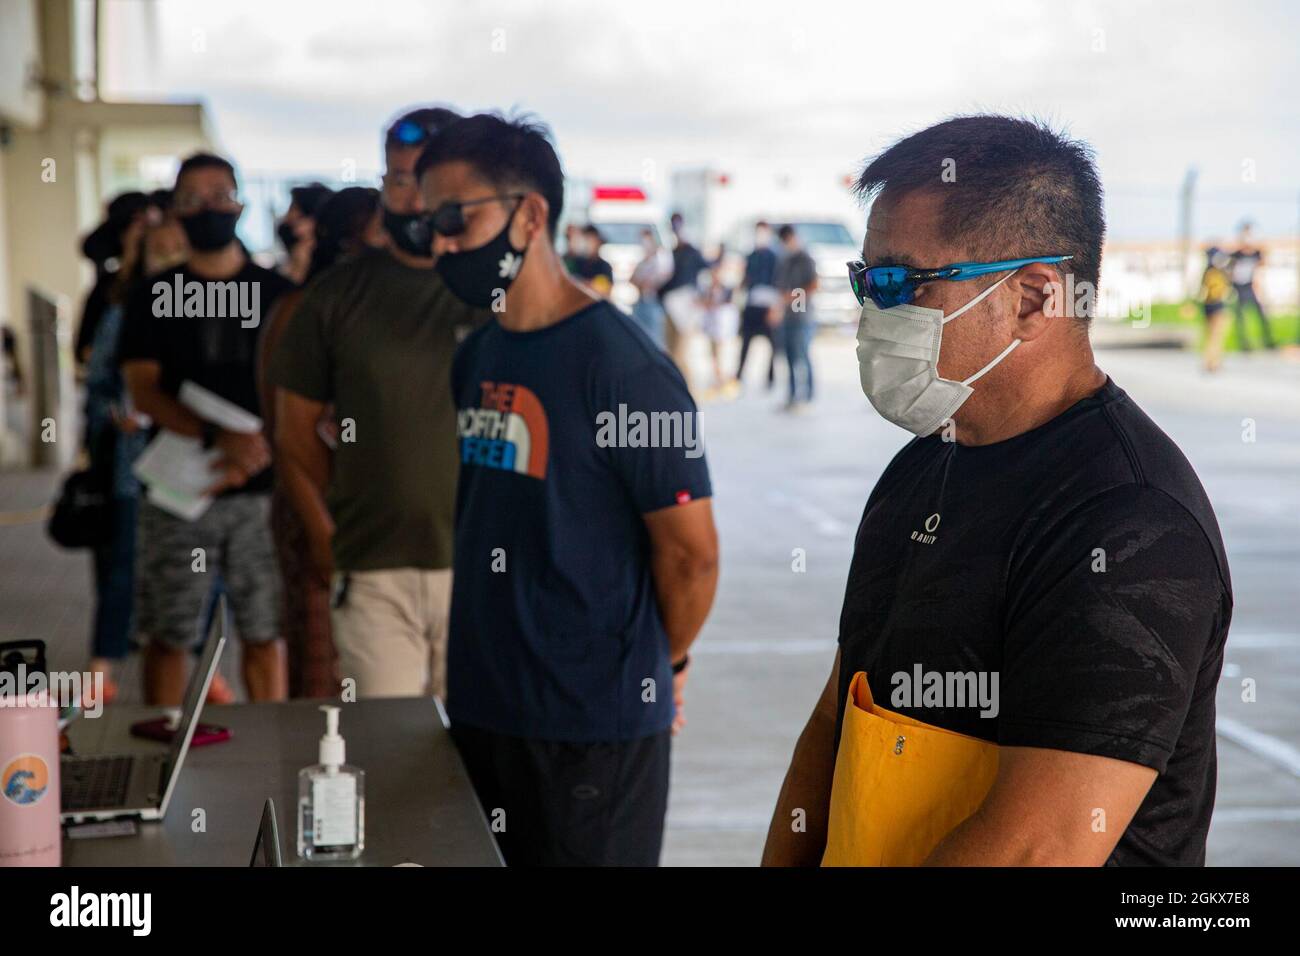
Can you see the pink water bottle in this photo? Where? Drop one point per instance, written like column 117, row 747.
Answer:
column 29, row 760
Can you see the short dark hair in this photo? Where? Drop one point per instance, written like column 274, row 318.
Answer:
column 340, row 221
column 415, row 127
column 310, row 197
column 1020, row 188
column 508, row 153
column 785, row 232
column 199, row 161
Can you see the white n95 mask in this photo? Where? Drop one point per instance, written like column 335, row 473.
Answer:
column 898, row 362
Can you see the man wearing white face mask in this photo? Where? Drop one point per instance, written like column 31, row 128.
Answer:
column 1039, row 589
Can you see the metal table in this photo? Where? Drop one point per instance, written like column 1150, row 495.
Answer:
column 420, row 807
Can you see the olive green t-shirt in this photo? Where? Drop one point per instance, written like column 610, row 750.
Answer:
column 376, row 338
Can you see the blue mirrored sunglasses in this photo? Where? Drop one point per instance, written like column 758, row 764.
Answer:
column 888, row 286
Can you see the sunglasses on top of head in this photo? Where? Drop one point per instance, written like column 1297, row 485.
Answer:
column 888, row 286
column 449, row 218
column 410, row 133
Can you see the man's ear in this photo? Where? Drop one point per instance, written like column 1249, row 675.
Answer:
column 534, row 211
column 1041, row 297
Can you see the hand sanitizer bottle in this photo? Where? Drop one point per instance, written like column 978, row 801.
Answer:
column 331, row 801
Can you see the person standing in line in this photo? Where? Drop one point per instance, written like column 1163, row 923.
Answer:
column 586, row 561
column 374, row 337
column 115, row 436
column 1246, row 260
column 1039, row 537
column 760, row 297
column 1214, row 298
column 796, row 281
column 297, row 229
column 648, row 277
column 105, row 248
column 164, row 345
column 680, row 296
column 342, row 227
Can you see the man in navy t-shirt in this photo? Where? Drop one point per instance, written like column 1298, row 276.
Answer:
column 585, row 556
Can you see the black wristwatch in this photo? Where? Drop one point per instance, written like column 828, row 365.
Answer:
column 682, row 664
column 208, row 433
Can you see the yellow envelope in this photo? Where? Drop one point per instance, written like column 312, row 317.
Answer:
column 900, row 785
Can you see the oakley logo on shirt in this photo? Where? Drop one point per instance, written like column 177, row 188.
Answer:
column 508, row 430
column 931, row 525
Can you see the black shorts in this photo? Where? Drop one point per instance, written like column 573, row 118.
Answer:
column 551, row 803
column 753, row 320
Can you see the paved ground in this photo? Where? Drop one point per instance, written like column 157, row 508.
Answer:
column 784, row 482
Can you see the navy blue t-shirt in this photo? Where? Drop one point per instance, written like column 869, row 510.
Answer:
column 568, row 435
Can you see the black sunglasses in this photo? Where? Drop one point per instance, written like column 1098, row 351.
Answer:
column 449, row 218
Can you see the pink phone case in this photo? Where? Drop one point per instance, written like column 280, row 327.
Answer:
column 157, row 729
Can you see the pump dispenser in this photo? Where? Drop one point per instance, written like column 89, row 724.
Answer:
column 331, row 801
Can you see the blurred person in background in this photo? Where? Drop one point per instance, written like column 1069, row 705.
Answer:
column 1215, row 287
column 720, row 322
column 12, row 369
column 105, row 247
column 591, row 267
column 296, row 230
column 648, row 277
column 759, row 287
column 346, row 224
column 115, row 436
column 159, row 352
column 796, row 281
column 374, row 337
column 1245, row 262
column 165, row 244
column 574, row 247
column 680, row 296
column 585, row 567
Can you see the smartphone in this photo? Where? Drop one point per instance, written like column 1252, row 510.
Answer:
column 163, row 729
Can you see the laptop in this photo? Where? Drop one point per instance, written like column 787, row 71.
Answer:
column 107, row 786
column 266, row 848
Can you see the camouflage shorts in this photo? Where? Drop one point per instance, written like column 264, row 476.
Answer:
column 178, row 563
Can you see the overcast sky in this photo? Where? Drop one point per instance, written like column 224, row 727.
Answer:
column 636, row 88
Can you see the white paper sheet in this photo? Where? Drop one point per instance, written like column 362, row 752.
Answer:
column 177, row 469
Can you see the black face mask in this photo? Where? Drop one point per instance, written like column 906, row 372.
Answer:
column 410, row 232
column 288, row 238
column 475, row 276
column 210, row 229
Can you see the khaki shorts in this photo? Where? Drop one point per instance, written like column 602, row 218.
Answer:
column 390, row 629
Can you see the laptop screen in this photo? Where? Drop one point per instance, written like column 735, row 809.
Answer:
column 195, row 693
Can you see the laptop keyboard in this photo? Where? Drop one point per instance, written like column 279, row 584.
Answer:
column 92, row 783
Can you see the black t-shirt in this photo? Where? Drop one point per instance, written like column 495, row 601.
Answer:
column 1081, row 565
column 688, row 263
column 207, row 334
column 592, row 267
